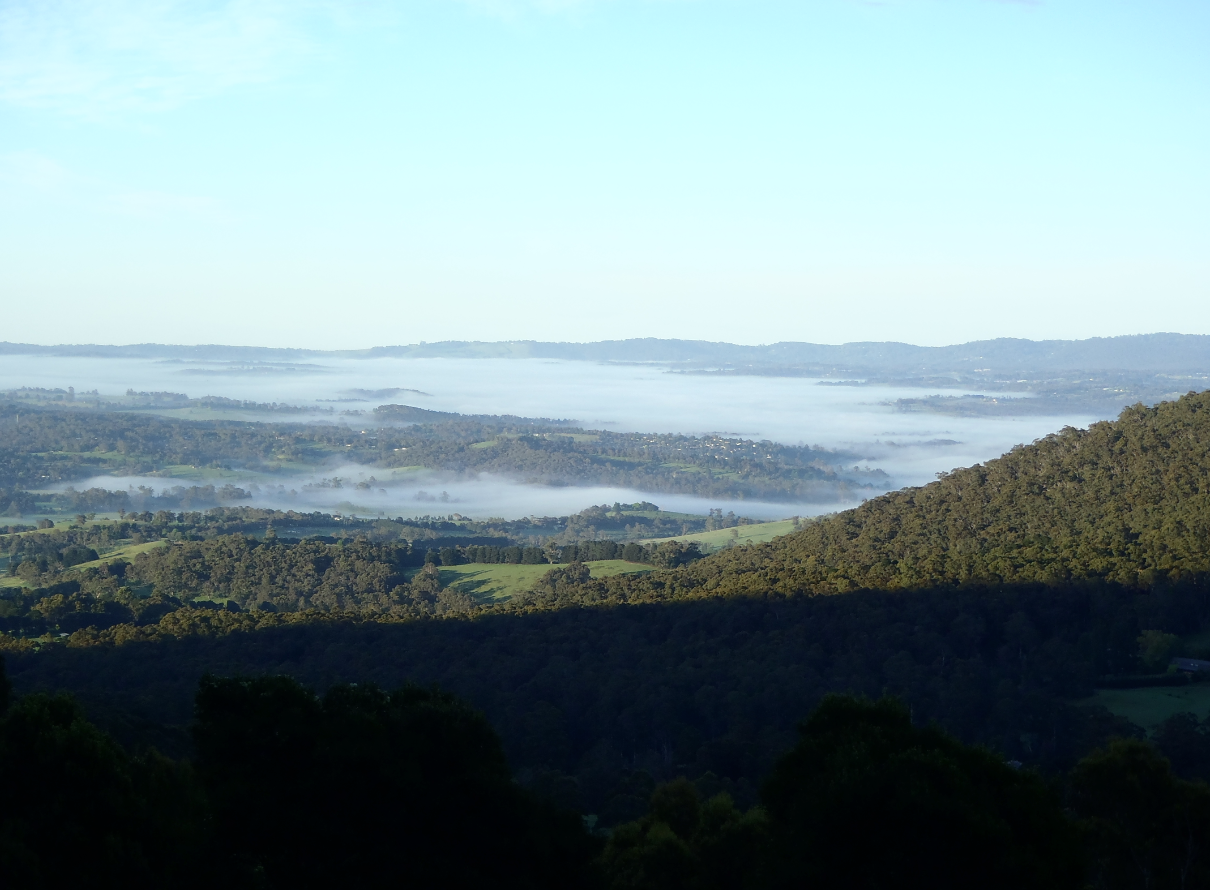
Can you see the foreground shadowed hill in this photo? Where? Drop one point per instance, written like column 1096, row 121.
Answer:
column 595, row 704
column 864, row 799
column 369, row 788
column 363, row 786
column 360, row 787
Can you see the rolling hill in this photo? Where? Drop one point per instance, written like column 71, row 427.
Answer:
column 1125, row 501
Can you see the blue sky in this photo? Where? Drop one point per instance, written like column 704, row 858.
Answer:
column 362, row 173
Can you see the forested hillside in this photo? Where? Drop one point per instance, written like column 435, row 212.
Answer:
column 1125, row 501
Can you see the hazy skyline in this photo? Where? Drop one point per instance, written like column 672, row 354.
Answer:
column 346, row 175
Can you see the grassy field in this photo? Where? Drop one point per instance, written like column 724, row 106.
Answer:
column 125, row 551
column 719, row 539
column 1150, row 707
column 499, row 582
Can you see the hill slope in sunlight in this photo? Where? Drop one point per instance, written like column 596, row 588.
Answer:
column 1126, row 501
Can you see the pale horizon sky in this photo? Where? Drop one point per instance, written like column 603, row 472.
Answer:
column 343, row 175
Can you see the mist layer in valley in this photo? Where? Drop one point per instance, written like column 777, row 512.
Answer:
column 864, row 422
column 355, row 490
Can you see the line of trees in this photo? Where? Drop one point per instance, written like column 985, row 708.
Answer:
column 665, row 554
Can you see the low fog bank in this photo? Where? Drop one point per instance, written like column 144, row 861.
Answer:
column 911, row 447
column 368, row 491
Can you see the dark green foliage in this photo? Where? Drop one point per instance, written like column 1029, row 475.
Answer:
column 664, row 555
column 366, row 788
column 310, row 574
column 1146, row 828
column 685, row 842
column 1185, row 741
column 493, row 555
column 77, row 811
column 73, row 556
column 369, row 788
column 561, row 583
column 864, row 800
column 603, row 696
column 14, row 502
column 357, row 788
column 867, row 800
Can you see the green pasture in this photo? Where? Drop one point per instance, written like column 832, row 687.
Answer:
column 501, row 581
column 1151, row 706
column 719, row 539
column 124, row 551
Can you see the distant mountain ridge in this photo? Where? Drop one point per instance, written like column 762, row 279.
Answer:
column 1160, row 352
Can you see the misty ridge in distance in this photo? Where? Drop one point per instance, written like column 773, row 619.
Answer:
column 1161, row 352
